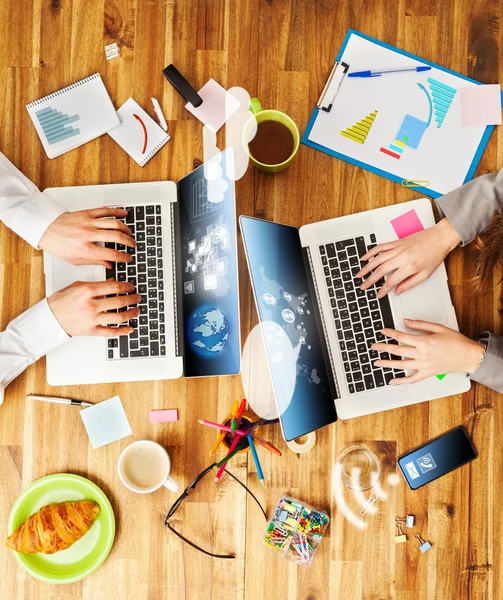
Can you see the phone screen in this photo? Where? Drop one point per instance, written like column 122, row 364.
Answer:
column 436, row 458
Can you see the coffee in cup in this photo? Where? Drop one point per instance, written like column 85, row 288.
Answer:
column 144, row 467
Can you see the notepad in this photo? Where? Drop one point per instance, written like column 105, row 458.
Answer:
column 407, row 224
column 106, row 422
column 73, row 116
column 138, row 134
column 481, row 105
column 218, row 105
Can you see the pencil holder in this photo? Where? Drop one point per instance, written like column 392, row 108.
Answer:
column 248, row 418
column 296, row 530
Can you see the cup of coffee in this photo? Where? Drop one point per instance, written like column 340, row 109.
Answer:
column 144, row 467
column 277, row 139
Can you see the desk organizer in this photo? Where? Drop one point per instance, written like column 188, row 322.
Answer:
column 296, row 530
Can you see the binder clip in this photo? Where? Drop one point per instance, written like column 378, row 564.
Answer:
column 408, row 521
column 423, row 544
column 400, row 537
column 332, row 86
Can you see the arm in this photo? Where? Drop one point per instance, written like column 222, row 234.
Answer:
column 33, row 334
column 470, row 208
column 489, row 372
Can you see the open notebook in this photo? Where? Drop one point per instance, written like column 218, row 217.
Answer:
column 73, row 115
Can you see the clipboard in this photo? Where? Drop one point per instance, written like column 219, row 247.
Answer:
column 331, row 89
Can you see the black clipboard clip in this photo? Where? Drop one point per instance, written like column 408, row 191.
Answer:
column 332, row 86
column 182, row 86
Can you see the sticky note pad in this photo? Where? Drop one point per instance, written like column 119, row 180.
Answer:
column 218, row 105
column 407, row 224
column 106, row 422
column 163, row 416
column 480, row 105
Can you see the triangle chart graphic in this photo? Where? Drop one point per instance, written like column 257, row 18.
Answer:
column 359, row 131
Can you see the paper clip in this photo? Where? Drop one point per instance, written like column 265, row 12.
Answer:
column 408, row 521
column 415, row 183
column 423, row 544
column 400, row 537
column 370, row 502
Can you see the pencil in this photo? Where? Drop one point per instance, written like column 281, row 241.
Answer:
column 265, row 444
column 226, row 459
column 256, row 460
column 219, row 440
column 225, row 428
column 234, row 412
column 241, row 411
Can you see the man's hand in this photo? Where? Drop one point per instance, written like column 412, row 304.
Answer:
column 73, row 235
column 81, row 308
column 443, row 350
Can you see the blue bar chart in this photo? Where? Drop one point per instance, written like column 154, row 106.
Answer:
column 442, row 96
column 55, row 124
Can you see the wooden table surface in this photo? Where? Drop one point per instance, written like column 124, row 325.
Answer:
column 281, row 52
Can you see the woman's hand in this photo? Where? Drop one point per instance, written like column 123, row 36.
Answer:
column 83, row 308
column 411, row 259
column 73, row 235
column 443, row 350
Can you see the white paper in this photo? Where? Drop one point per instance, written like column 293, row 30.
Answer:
column 443, row 156
column 106, row 422
column 218, row 105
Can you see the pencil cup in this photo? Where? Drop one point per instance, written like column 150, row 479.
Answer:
column 248, row 418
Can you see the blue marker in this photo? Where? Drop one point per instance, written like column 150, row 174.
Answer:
column 255, row 458
column 379, row 73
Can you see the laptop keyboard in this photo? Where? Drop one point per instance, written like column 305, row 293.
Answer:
column 146, row 273
column 358, row 315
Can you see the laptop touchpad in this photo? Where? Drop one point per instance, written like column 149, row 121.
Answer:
column 65, row 274
column 425, row 302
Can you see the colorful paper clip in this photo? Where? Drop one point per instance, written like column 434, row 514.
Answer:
column 415, row 183
column 408, row 521
column 423, row 544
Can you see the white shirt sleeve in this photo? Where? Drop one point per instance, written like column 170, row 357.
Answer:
column 23, row 207
column 32, row 335
column 36, row 332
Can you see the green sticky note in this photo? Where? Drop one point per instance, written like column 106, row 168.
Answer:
column 440, row 377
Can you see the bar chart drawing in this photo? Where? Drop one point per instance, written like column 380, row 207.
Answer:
column 55, row 124
column 442, row 96
column 359, row 131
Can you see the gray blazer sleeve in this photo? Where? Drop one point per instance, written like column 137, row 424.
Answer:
column 471, row 207
column 490, row 371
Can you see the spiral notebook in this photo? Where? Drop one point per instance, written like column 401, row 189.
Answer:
column 73, row 115
column 138, row 134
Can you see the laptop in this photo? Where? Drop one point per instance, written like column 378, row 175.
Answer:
column 184, row 266
column 305, row 282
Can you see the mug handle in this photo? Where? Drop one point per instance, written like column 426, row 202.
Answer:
column 171, row 484
column 255, row 106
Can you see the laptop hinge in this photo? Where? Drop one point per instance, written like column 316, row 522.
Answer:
column 320, row 322
column 176, row 253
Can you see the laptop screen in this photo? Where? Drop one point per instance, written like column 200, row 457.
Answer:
column 283, row 297
column 208, row 263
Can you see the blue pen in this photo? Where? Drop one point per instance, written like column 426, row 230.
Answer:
column 255, row 458
column 379, row 73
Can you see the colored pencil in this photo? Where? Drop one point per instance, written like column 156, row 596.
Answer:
column 241, row 411
column 225, row 460
column 256, row 460
column 265, row 444
column 233, row 447
column 222, row 427
column 219, row 440
column 234, row 412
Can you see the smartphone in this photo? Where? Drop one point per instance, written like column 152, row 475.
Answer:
column 436, row 458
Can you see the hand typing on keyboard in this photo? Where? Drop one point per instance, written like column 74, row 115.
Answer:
column 410, row 260
column 443, row 350
column 83, row 308
column 72, row 237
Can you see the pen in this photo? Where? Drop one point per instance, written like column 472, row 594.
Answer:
column 379, row 73
column 256, row 460
column 159, row 114
column 60, row 400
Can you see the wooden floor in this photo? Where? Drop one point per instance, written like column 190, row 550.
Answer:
column 281, row 52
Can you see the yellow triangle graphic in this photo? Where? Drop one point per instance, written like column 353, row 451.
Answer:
column 359, row 131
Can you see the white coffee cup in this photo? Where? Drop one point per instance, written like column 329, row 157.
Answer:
column 144, row 467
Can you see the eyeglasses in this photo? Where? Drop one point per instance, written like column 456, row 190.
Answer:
column 178, row 502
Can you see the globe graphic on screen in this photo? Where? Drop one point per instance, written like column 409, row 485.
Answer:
column 207, row 331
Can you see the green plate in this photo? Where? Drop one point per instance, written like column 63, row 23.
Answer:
column 88, row 553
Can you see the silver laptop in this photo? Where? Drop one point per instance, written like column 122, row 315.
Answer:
column 185, row 268
column 315, row 267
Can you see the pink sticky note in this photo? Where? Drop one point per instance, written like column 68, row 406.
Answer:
column 218, row 105
column 164, row 416
column 407, row 224
column 480, row 105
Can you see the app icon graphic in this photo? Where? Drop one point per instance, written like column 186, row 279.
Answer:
column 411, row 470
column 426, row 463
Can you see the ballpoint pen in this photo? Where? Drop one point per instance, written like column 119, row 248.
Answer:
column 370, row 73
column 60, row 400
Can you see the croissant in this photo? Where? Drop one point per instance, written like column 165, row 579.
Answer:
column 54, row 527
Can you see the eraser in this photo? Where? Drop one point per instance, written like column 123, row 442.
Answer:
column 164, row 416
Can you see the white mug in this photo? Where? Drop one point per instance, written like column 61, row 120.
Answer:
column 144, row 467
